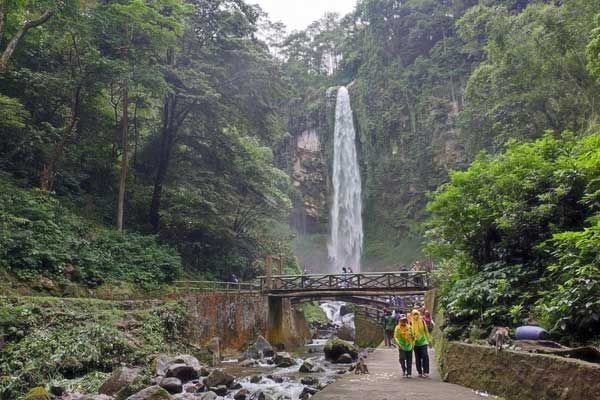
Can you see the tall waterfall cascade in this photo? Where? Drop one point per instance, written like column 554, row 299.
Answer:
column 346, row 241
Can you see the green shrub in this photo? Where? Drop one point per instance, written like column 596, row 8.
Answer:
column 39, row 237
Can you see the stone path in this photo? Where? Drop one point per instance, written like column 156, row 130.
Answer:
column 385, row 382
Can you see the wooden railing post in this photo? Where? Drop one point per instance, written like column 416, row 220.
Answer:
column 268, row 272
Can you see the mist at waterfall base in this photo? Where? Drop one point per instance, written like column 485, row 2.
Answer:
column 346, row 241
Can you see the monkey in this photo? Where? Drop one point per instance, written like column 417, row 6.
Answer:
column 361, row 367
column 500, row 337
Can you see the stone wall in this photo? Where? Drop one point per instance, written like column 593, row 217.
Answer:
column 238, row 318
column 520, row 375
column 368, row 332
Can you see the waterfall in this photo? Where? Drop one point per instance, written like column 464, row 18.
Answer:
column 345, row 246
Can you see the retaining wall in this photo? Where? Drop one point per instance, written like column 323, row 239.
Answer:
column 520, row 375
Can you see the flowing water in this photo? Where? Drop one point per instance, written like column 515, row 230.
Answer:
column 345, row 247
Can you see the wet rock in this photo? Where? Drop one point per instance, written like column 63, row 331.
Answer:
column 309, row 366
column 283, row 360
column 335, row 347
column 236, row 386
column 162, row 363
column 241, row 395
column 188, row 360
column 217, row 378
column 183, row 372
column 308, row 392
column 172, row 385
column 263, row 346
column 309, row 380
column 207, row 396
column 256, row 379
column 193, row 388
column 220, row 390
column 151, row 393
column 260, row 395
column 344, row 359
column 248, row 363
column 251, row 353
column 346, row 333
column 185, row 396
column 203, row 371
column 119, row 381
column 275, row 378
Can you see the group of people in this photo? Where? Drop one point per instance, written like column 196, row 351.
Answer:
column 409, row 333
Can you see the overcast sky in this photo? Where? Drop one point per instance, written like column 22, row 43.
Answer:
column 298, row 14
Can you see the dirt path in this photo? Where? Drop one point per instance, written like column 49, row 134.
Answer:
column 385, row 382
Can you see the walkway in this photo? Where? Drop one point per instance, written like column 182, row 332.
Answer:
column 385, row 382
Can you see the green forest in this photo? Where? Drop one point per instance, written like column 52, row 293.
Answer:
column 145, row 142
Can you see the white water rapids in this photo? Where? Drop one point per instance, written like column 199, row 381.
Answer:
column 345, row 247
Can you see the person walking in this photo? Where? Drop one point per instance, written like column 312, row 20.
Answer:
column 389, row 324
column 404, row 338
column 422, row 341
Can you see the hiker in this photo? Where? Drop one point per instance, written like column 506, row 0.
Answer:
column 405, row 340
column 422, row 341
column 428, row 320
column 345, row 279
column 389, row 324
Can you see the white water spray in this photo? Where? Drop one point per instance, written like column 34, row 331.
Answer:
column 345, row 247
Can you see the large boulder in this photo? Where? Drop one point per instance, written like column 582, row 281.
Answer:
column 151, row 393
column 344, row 359
column 335, row 347
column 207, row 396
column 187, row 360
column 172, row 385
column 184, row 372
column 217, row 378
column 309, row 366
column 263, row 346
column 283, row 360
column 119, row 382
column 162, row 363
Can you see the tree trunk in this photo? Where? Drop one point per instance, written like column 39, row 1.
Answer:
column 124, row 156
column 12, row 43
column 49, row 172
column 167, row 140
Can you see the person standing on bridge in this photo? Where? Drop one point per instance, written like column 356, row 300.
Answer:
column 422, row 341
column 404, row 338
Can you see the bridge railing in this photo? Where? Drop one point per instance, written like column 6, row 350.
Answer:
column 340, row 282
column 214, row 286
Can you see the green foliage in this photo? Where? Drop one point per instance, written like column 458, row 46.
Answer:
column 513, row 231
column 39, row 237
column 313, row 313
column 77, row 342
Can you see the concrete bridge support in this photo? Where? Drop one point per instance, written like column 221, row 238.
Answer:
column 286, row 327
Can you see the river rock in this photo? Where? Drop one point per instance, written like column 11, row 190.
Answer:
column 251, row 353
column 172, row 385
column 183, row 372
column 249, row 363
column 207, row 396
column 308, row 392
column 264, row 347
column 151, row 393
column 335, row 347
column 220, row 390
column 187, row 360
column 119, row 381
column 256, row 379
column 309, row 380
column 260, row 395
column 185, row 396
column 217, row 378
column 235, row 386
column 344, row 359
column 275, row 378
column 241, row 395
column 309, row 366
column 162, row 363
column 283, row 360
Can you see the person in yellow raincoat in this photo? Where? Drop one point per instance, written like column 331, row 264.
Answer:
column 405, row 340
column 422, row 341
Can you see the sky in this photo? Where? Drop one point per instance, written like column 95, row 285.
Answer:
column 298, row 14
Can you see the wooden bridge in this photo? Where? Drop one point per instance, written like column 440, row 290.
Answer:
column 346, row 285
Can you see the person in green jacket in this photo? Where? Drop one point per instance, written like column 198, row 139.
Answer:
column 422, row 340
column 405, row 340
column 388, row 328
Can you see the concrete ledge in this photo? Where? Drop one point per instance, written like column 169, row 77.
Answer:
column 519, row 375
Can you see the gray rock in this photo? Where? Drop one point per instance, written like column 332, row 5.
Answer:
column 241, row 395
column 344, row 359
column 217, row 378
column 307, row 366
column 260, row 395
column 185, row 396
column 119, row 381
column 335, row 347
column 256, row 379
column 309, row 380
column 187, row 360
column 207, row 396
column 172, row 385
column 183, row 372
column 151, row 393
column 162, row 363
column 248, row 363
column 251, row 353
column 263, row 346
column 283, row 360
column 203, row 371
column 220, row 390
column 235, row 386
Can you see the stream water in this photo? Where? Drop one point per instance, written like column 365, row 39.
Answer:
column 285, row 383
